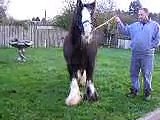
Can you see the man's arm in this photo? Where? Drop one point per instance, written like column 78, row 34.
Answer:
column 156, row 37
column 122, row 28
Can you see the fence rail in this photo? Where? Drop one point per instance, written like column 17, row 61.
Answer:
column 119, row 43
column 42, row 36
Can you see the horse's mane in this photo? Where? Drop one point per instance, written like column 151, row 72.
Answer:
column 76, row 28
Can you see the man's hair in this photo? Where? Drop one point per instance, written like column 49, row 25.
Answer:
column 145, row 10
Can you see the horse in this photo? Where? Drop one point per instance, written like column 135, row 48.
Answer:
column 80, row 50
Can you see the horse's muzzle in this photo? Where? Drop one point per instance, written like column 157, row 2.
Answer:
column 86, row 38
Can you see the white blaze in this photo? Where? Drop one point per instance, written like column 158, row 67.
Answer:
column 86, row 16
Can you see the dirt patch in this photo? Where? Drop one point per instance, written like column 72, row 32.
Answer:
column 155, row 115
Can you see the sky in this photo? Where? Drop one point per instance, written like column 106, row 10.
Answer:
column 27, row 9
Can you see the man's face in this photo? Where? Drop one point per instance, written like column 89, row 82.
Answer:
column 142, row 16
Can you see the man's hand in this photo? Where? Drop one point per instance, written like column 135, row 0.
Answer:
column 118, row 20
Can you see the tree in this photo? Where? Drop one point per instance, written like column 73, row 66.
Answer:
column 105, row 5
column 134, row 7
column 3, row 9
column 104, row 11
column 64, row 20
column 37, row 19
column 2, row 12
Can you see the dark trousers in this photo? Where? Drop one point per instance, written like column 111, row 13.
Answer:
column 143, row 63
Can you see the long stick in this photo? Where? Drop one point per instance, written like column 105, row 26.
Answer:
column 103, row 23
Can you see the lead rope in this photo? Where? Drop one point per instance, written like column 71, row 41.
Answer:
column 103, row 23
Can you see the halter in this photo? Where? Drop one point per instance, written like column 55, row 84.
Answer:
column 86, row 22
column 79, row 23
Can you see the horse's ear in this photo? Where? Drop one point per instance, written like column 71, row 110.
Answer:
column 79, row 3
column 91, row 6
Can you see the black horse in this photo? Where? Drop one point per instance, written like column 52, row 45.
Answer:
column 80, row 51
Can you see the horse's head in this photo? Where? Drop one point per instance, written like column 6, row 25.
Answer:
column 84, row 12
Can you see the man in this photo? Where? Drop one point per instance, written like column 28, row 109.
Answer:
column 145, row 37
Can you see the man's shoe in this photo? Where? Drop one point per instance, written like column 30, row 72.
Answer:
column 147, row 96
column 133, row 93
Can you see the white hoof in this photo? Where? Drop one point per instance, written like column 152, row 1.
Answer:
column 74, row 96
column 73, row 101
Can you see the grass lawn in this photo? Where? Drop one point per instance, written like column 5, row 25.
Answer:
column 36, row 90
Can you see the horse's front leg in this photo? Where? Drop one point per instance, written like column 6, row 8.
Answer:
column 91, row 93
column 74, row 96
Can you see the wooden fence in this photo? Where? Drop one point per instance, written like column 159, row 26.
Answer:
column 41, row 35
column 119, row 43
column 50, row 36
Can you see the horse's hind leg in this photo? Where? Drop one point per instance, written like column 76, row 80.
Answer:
column 91, row 93
column 74, row 96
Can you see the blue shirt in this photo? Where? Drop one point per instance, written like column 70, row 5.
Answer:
column 144, row 37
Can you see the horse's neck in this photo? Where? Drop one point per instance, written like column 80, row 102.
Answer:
column 75, row 35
